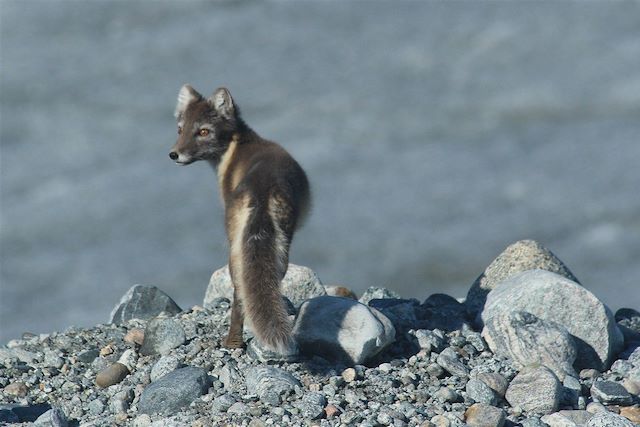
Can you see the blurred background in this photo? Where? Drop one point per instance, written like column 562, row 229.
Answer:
column 434, row 135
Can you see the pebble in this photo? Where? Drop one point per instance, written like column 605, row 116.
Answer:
column 632, row 386
column 331, row 411
column 312, row 405
column 481, row 415
column 96, row 407
column 342, row 330
column 113, row 374
column 269, row 382
column 349, row 375
column 496, row 382
column 54, row 417
column 135, row 336
column 536, row 390
column 223, row 403
column 608, row 419
column 163, row 366
column 174, row 391
column 430, row 340
column 447, row 394
column 566, row 418
column 632, row 413
column 481, row 392
column 594, row 407
column 231, row 377
column 448, row 359
column 610, row 393
column 17, row 389
column 239, row 408
column 161, row 336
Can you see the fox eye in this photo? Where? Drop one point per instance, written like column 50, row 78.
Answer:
column 204, row 132
column 179, row 130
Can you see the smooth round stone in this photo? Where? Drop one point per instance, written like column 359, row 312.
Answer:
column 111, row 375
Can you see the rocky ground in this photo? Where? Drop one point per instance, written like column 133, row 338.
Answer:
column 529, row 346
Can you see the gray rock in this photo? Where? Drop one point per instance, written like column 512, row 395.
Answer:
column 111, row 375
column 567, row 418
column 610, row 393
column 447, row 394
column 342, row 330
column 257, row 352
column 481, row 415
column 526, row 339
column 161, row 336
column 239, row 408
column 120, row 401
column 231, row 377
column 163, row 366
column 533, row 422
column 312, row 405
column 174, row 391
column 630, row 319
column 52, row 418
column 536, row 390
column 572, row 389
column 495, row 381
column 554, row 298
column 299, row 284
column 608, row 419
column 88, row 356
column 143, row 302
column 520, row 256
column 448, row 359
column 401, row 312
column 481, row 393
column 377, row 293
column 6, row 354
column 444, row 312
column 268, row 382
column 96, row 407
column 223, row 403
column 430, row 340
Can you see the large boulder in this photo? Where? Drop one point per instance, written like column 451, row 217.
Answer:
column 555, row 298
column 342, row 330
column 520, row 256
column 525, row 339
column 299, row 284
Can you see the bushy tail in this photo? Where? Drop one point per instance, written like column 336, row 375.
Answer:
column 264, row 263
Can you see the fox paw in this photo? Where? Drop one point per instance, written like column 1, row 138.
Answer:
column 233, row 342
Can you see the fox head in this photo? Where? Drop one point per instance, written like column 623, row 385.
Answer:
column 205, row 125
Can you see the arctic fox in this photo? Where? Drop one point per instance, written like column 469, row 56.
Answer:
column 265, row 194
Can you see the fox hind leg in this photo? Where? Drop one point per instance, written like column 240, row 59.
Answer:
column 234, row 337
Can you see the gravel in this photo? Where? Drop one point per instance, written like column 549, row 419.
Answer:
column 426, row 377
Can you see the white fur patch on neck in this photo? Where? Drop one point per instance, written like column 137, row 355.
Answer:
column 185, row 97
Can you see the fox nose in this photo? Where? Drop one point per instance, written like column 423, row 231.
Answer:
column 173, row 155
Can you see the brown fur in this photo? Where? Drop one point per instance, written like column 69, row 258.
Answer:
column 265, row 193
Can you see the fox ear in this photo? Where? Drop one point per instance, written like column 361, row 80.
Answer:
column 186, row 96
column 222, row 102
